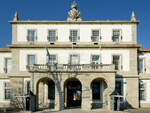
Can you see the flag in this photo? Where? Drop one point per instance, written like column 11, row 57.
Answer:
column 48, row 54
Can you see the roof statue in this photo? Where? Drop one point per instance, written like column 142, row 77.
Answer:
column 133, row 19
column 16, row 17
column 74, row 14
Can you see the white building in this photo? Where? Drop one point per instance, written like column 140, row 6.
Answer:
column 75, row 63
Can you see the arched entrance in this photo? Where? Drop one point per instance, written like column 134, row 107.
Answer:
column 45, row 93
column 73, row 93
column 98, row 87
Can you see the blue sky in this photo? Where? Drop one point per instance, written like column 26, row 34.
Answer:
column 90, row 10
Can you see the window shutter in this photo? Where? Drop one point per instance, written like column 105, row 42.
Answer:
column 56, row 35
column 78, row 35
column 121, row 34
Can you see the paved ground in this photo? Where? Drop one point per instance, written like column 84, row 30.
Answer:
column 138, row 111
column 82, row 111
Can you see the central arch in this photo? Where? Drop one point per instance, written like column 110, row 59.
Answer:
column 73, row 93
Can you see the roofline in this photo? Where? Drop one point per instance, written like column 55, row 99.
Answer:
column 5, row 50
column 144, row 49
column 73, row 22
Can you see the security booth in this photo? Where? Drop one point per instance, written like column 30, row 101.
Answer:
column 117, row 103
column 27, row 103
column 32, row 102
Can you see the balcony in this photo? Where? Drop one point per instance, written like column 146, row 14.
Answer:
column 71, row 68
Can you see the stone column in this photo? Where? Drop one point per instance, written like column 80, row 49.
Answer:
column 65, row 96
column 59, row 98
column 86, row 103
column 40, row 93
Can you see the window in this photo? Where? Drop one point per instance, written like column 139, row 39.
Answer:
column 52, row 59
column 119, row 87
column 95, row 59
column 28, row 87
column 95, row 36
column 74, row 59
column 116, row 35
column 96, row 95
column 52, row 36
column 7, row 90
column 116, row 62
column 73, row 36
column 141, row 65
column 142, row 90
column 31, row 59
column 31, row 35
column 7, row 65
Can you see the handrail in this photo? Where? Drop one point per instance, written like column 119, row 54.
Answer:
column 70, row 67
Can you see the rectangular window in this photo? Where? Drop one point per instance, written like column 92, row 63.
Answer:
column 73, row 36
column 52, row 36
column 95, row 36
column 52, row 59
column 7, row 65
column 7, row 90
column 141, row 65
column 74, row 59
column 31, row 35
column 116, row 35
column 142, row 90
column 116, row 62
column 31, row 59
column 95, row 59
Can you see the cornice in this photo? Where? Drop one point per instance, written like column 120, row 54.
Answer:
column 144, row 50
column 5, row 50
column 74, row 46
column 73, row 22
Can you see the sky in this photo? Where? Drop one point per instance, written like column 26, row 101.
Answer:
column 90, row 10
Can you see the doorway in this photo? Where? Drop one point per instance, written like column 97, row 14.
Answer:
column 73, row 94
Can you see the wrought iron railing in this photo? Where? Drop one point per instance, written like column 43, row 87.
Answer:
column 70, row 67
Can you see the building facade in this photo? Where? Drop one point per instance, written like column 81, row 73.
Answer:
column 75, row 63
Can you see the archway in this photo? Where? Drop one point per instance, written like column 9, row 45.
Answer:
column 45, row 93
column 73, row 93
column 98, row 87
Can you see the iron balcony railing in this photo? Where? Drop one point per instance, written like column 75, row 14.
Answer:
column 70, row 67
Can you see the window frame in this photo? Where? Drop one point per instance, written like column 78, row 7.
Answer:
column 120, row 61
column 99, row 37
column 7, row 88
column 52, row 55
column 78, row 35
column 28, row 58
column 56, row 35
column 120, row 35
column 35, row 38
column 142, row 89
column 96, row 55
column 5, row 64
column 144, row 65
column 74, row 55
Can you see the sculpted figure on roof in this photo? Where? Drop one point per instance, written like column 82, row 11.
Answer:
column 74, row 14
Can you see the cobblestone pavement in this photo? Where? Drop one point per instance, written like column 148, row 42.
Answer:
column 138, row 111
column 83, row 111
column 80, row 111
